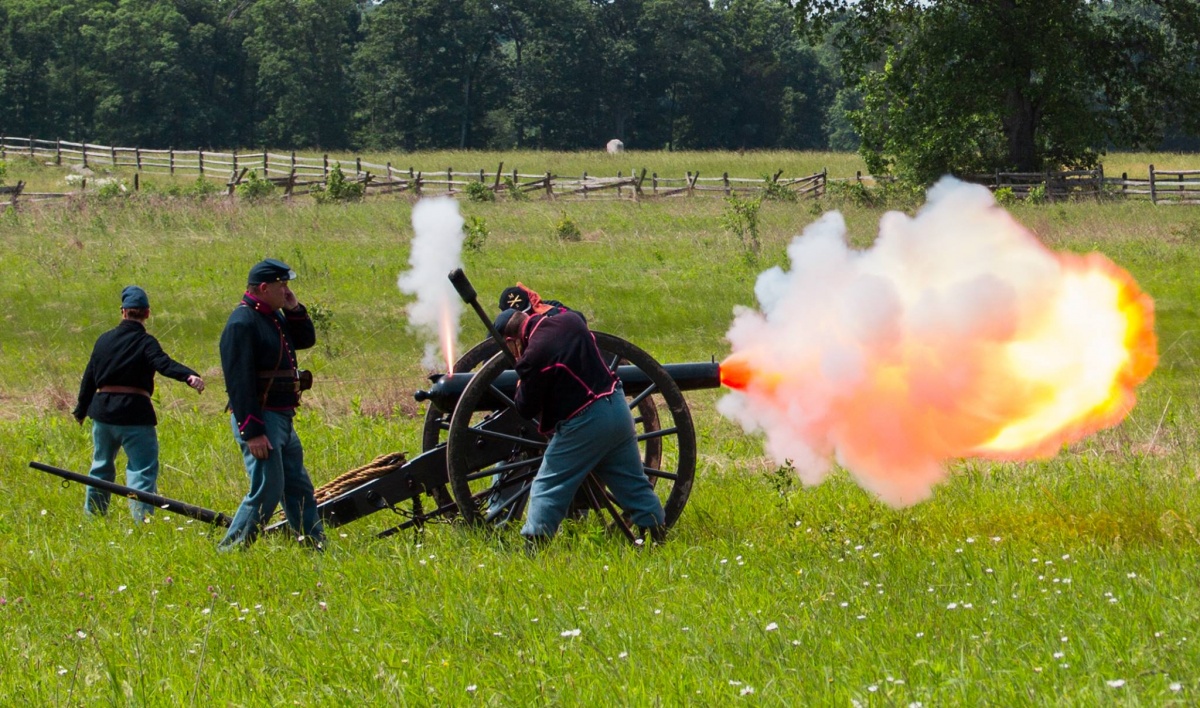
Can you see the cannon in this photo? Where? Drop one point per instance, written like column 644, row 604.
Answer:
column 479, row 455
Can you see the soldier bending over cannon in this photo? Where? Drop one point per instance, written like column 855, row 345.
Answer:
column 566, row 386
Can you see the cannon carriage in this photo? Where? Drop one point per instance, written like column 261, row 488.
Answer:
column 479, row 455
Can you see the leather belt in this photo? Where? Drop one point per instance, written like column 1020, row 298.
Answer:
column 124, row 389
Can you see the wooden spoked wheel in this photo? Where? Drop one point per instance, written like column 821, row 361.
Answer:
column 493, row 454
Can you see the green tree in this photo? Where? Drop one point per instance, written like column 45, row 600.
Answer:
column 971, row 85
column 297, row 52
column 423, row 73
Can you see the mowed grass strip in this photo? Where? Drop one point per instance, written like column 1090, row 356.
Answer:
column 1066, row 580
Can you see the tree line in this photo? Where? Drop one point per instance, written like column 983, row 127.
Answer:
column 924, row 87
column 413, row 74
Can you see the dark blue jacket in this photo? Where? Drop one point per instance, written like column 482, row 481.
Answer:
column 257, row 339
column 125, row 356
column 561, row 369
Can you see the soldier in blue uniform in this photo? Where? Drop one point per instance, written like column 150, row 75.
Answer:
column 565, row 384
column 115, row 393
column 258, row 356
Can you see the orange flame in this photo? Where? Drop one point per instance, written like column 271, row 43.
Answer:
column 1071, row 371
column 446, row 337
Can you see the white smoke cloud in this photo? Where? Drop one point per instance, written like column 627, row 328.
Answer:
column 436, row 250
column 895, row 359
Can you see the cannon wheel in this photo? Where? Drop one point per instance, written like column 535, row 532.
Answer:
column 495, row 494
column 437, row 423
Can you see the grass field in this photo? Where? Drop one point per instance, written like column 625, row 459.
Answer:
column 1067, row 581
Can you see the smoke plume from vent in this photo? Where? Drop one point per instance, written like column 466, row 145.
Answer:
column 436, row 250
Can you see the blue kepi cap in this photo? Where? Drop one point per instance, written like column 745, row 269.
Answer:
column 270, row 271
column 133, row 297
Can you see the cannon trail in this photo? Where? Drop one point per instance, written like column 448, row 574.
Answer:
column 957, row 334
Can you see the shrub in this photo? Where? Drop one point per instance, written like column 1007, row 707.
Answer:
column 514, row 192
column 201, row 188
column 567, row 230
column 254, row 188
column 1005, row 196
column 773, row 191
column 479, row 192
column 740, row 218
column 338, row 189
column 1037, row 194
column 477, row 232
column 3, row 172
column 110, row 188
column 855, row 193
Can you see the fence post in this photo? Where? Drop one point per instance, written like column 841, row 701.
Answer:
column 324, row 163
column 4, row 147
column 416, row 183
column 200, row 161
column 1153, row 193
column 57, row 150
column 266, row 162
column 85, row 164
column 449, row 179
column 31, row 147
column 293, row 167
column 585, row 185
column 389, row 171
column 549, row 186
column 358, row 167
column 235, row 161
column 654, row 182
column 137, row 157
column 618, row 183
column 496, row 184
column 1124, row 183
column 112, row 152
column 137, row 183
column 725, row 177
column 171, row 159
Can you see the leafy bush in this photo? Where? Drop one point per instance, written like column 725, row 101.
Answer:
column 110, row 188
column 1037, row 194
column 514, row 192
column 855, row 193
column 740, row 218
column 773, row 191
column 477, row 232
column 567, row 230
column 254, row 188
column 338, row 189
column 1005, row 196
column 3, row 172
column 201, row 188
column 479, row 192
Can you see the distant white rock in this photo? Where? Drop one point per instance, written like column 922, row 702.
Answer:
column 615, row 146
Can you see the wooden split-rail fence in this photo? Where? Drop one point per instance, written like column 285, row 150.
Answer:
column 297, row 175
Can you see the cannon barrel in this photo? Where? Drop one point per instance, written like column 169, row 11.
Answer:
column 446, row 390
column 199, row 513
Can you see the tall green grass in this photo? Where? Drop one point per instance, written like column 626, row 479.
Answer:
column 1072, row 580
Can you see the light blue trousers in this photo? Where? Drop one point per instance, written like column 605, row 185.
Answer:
column 280, row 477
column 140, row 443
column 601, row 439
